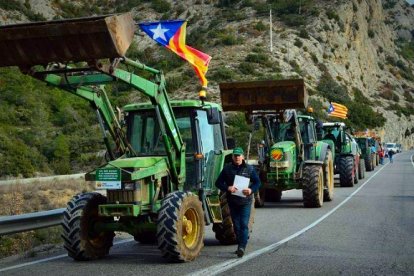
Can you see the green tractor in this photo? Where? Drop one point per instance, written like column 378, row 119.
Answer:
column 370, row 157
column 348, row 163
column 163, row 158
column 290, row 156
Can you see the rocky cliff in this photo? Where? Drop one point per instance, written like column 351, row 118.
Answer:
column 357, row 45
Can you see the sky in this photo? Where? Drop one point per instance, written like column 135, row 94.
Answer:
column 410, row 1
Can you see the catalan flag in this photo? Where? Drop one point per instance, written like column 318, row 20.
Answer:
column 337, row 110
column 171, row 34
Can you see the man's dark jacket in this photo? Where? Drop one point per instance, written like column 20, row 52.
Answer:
column 226, row 179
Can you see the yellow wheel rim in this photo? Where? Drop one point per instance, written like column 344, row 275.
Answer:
column 190, row 228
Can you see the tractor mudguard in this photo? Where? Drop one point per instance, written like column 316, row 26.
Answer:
column 322, row 149
column 313, row 162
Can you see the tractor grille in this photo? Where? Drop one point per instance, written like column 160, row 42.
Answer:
column 121, row 196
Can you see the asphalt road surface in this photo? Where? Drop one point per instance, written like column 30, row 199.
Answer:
column 366, row 230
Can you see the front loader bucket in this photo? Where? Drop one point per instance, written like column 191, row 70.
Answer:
column 263, row 95
column 73, row 40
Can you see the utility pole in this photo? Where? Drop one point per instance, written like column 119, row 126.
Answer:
column 271, row 39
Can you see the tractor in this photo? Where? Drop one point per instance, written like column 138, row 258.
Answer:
column 347, row 154
column 370, row 157
column 163, row 156
column 290, row 157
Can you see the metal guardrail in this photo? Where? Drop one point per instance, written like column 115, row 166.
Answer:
column 41, row 179
column 31, row 221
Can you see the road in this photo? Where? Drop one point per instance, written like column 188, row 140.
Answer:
column 367, row 229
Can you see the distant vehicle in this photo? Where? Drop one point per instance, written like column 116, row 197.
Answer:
column 399, row 148
column 391, row 146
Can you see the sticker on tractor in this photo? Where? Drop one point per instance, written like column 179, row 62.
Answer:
column 108, row 178
column 276, row 154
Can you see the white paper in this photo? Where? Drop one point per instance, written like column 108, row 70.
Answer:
column 241, row 183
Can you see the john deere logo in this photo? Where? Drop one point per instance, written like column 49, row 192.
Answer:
column 276, row 154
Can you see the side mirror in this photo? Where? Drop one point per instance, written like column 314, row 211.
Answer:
column 231, row 143
column 213, row 116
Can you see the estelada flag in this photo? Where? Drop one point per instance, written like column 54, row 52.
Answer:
column 337, row 110
column 171, row 34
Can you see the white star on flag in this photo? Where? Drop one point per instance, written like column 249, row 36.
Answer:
column 159, row 32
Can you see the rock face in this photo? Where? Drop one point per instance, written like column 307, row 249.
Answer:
column 359, row 43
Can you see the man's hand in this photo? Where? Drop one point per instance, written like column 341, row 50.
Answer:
column 232, row 189
column 247, row 191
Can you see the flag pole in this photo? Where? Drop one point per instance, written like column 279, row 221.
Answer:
column 271, row 40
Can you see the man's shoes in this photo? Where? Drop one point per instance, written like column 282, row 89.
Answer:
column 240, row 252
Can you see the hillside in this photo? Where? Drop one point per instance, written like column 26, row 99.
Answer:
column 356, row 52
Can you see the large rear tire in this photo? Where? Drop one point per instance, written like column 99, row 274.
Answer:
column 180, row 227
column 81, row 240
column 328, row 191
column 368, row 163
column 356, row 172
column 224, row 231
column 259, row 198
column 312, row 189
column 346, row 171
column 273, row 195
column 361, row 168
column 146, row 237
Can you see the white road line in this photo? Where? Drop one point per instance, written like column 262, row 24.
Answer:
column 219, row 268
column 50, row 258
column 412, row 160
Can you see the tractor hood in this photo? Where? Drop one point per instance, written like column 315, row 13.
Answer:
column 134, row 168
column 283, row 157
column 277, row 150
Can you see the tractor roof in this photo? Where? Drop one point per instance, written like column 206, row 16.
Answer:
column 334, row 124
column 174, row 103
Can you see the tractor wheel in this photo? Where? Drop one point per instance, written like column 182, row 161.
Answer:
column 224, row 231
column 346, row 171
column 180, row 227
column 368, row 163
column 273, row 195
column 328, row 191
column 356, row 172
column 361, row 168
column 312, row 189
column 146, row 237
column 259, row 198
column 81, row 240
column 373, row 161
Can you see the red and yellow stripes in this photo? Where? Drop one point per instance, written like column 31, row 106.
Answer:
column 198, row 59
column 339, row 111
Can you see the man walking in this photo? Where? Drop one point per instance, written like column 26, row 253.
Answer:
column 390, row 154
column 240, row 205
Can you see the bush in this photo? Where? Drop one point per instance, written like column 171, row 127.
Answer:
column 260, row 26
column 246, row 68
column 331, row 90
column 303, row 33
column 160, row 6
column 298, row 43
column 371, row 33
column 256, row 58
column 407, row 50
column 332, row 15
column 222, row 74
column 389, row 4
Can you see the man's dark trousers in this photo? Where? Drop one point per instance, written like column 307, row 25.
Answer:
column 240, row 215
